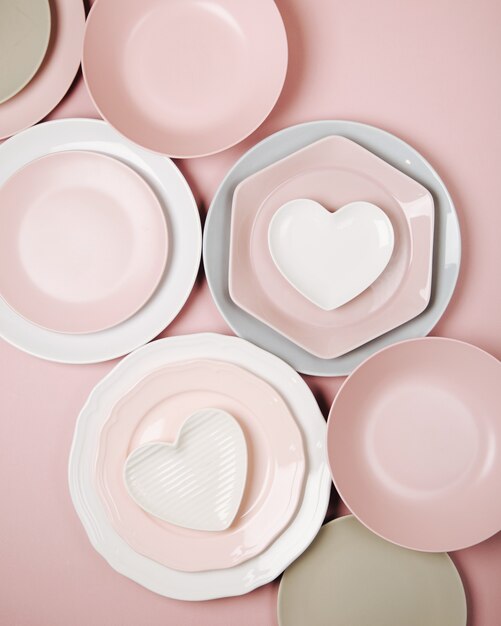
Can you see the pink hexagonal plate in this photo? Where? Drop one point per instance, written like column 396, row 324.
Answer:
column 333, row 171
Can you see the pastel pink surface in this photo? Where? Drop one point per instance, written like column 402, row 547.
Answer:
column 154, row 410
column 413, row 434
column 83, row 242
column 444, row 59
column 185, row 77
column 54, row 76
column 334, row 172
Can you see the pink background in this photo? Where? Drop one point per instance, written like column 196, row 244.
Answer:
column 426, row 70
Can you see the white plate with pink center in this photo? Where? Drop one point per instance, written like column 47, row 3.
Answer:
column 180, row 213
column 291, row 542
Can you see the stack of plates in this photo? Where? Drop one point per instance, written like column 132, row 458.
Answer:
column 100, row 242
column 328, row 241
column 198, row 467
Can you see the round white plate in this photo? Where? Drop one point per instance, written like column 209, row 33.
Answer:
column 184, row 242
column 216, row 583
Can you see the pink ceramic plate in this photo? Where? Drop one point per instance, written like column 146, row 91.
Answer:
column 333, row 171
column 414, row 440
column 56, row 73
column 185, row 77
column 83, row 242
column 155, row 410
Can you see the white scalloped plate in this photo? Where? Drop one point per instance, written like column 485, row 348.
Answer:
column 217, row 583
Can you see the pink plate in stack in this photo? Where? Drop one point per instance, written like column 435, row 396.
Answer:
column 83, row 243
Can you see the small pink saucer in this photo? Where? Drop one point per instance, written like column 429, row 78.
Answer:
column 185, row 77
column 155, row 410
column 414, row 441
column 83, row 242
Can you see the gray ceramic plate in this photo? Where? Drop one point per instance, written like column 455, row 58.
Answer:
column 447, row 244
column 349, row 576
column 24, row 37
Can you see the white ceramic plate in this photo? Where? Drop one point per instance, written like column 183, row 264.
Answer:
column 198, row 480
column 184, row 242
column 216, row 583
column 330, row 258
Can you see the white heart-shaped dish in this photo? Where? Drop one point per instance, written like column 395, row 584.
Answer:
column 197, row 481
column 330, row 257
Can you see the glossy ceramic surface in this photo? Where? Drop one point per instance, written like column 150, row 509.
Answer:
column 334, row 171
column 183, row 222
column 414, row 433
column 185, row 77
column 83, row 242
column 218, row 583
column 24, row 37
column 157, row 408
column 54, row 76
column 195, row 481
column 351, row 577
column 373, row 61
column 447, row 244
column 330, row 257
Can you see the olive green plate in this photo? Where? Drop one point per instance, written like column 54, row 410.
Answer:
column 351, row 577
column 24, row 37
